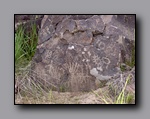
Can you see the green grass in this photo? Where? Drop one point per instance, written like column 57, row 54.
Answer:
column 19, row 38
column 123, row 68
column 121, row 99
column 25, row 46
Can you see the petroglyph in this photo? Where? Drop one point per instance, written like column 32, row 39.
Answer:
column 72, row 67
column 101, row 45
column 80, row 49
column 89, row 53
column 106, row 60
column 96, row 59
column 54, row 72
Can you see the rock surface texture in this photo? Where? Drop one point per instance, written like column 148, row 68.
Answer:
column 76, row 50
column 27, row 21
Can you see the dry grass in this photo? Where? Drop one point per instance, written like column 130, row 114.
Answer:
column 126, row 96
column 30, row 92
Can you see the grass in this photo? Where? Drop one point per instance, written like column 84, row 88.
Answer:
column 121, row 98
column 33, row 93
column 25, row 46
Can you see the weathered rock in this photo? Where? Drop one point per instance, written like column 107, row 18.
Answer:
column 22, row 18
column 75, row 50
column 27, row 22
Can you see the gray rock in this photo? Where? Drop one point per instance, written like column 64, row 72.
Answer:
column 27, row 21
column 75, row 50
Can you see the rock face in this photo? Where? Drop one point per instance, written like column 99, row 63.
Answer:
column 76, row 50
column 27, row 21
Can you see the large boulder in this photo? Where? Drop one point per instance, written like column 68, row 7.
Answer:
column 76, row 50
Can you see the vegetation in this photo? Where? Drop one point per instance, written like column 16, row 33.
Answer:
column 25, row 45
column 32, row 93
column 122, row 98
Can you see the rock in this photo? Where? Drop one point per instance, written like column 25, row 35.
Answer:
column 22, row 18
column 76, row 50
column 27, row 21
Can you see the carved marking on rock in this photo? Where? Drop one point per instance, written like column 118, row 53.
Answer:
column 89, row 53
column 96, row 59
column 101, row 45
column 111, row 49
column 72, row 67
column 54, row 72
column 106, row 61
